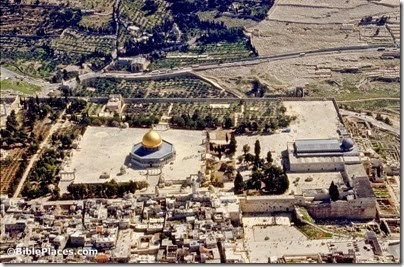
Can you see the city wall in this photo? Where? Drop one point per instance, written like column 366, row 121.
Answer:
column 356, row 209
column 264, row 204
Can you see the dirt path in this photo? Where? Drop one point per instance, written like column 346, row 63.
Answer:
column 37, row 155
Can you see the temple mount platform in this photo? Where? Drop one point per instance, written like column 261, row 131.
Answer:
column 104, row 151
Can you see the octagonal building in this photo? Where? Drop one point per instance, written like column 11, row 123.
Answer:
column 153, row 151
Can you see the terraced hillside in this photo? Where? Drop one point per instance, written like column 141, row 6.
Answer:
column 44, row 37
column 144, row 14
column 78, row 43
column 36, row 20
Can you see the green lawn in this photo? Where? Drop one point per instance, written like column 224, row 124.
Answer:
column 23, row 87
column 312, row 232
column 306, row 215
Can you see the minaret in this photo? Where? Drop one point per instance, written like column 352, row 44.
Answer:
column 193, row 186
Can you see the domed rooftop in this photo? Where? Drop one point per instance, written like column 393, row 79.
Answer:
column 347, row 143
column 151, row 139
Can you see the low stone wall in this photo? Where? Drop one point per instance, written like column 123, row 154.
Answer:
column 104, row 100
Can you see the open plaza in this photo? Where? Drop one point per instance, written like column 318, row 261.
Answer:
column 104, row 152
column 314, row 120
column 269, row 236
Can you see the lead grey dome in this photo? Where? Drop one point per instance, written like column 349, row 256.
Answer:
column 347, row 144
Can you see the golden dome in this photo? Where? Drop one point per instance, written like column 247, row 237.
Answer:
column 151, row 139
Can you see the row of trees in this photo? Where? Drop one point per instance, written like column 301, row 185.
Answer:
column 196, row 121
column 142, row 121
column 109, row 86
column 110, row 189
column 268, row 126
column 80, row 115
column 378, row 21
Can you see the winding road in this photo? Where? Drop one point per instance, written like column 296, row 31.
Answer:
column 72, row 83
column 46, row 87
column 240, row 63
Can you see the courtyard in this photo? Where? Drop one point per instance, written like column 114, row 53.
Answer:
column 106, row 150
column 299, row 182
column 314, row 119
column 273, row 236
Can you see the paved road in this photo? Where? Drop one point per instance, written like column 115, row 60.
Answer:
column 372, row 120
column 72, row 83
column 36, row 156
column 246, row 62
column 16, row 76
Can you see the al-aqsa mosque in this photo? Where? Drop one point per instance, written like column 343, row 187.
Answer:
column 153, row 151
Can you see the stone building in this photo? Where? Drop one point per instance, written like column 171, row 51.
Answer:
column 133, row 64
column 153, row 151
column 319, row 155
column 115, row 104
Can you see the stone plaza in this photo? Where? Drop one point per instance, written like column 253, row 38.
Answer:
column 104, row 153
